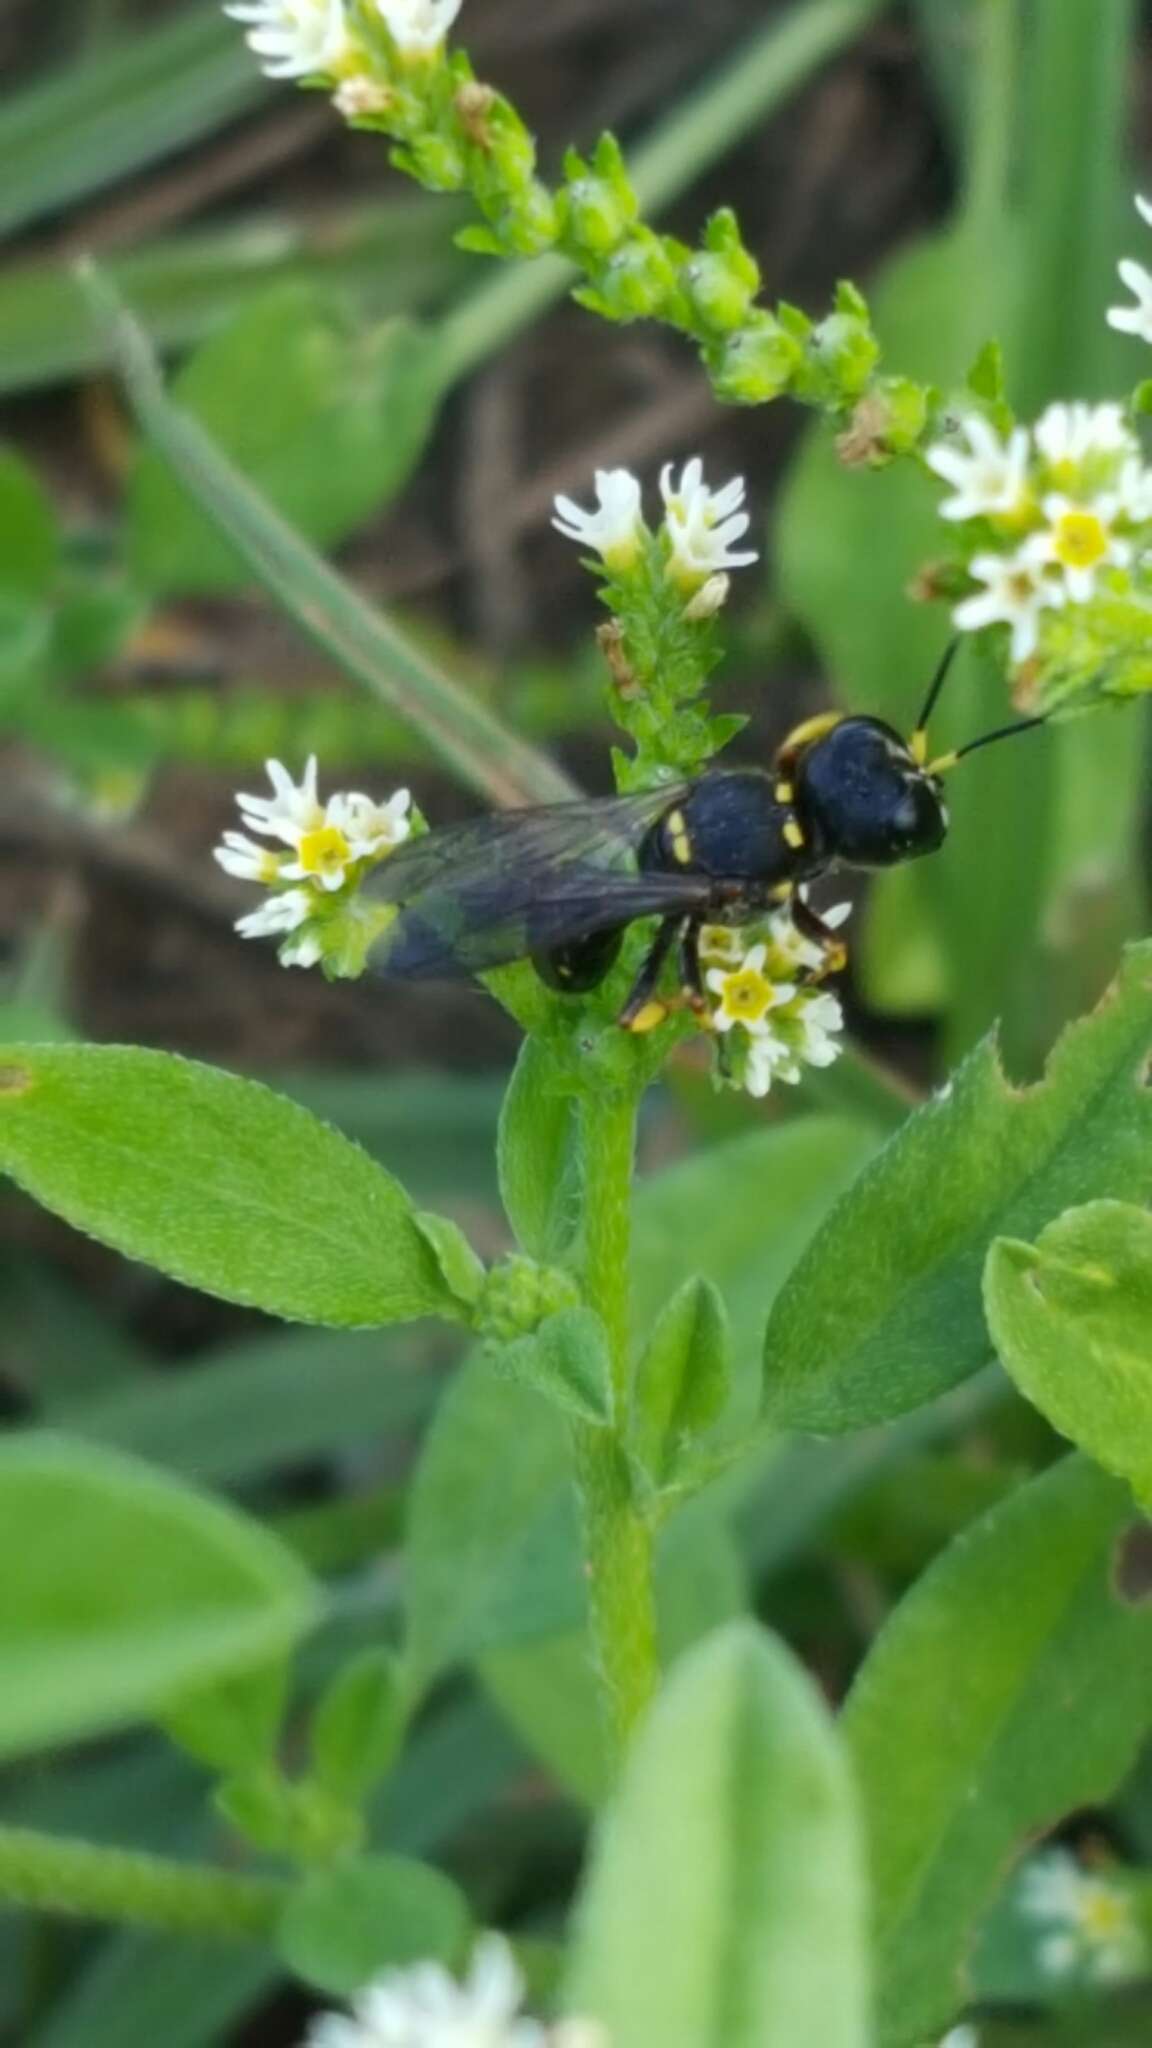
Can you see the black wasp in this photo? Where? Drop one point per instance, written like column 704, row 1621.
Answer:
column 560, row 883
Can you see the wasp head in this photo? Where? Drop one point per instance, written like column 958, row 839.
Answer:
column 862, row 797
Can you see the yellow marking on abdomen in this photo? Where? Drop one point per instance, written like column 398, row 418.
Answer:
column 793, row 834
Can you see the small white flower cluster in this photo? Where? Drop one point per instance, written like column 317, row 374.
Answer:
column 1137, row 318
column 328, row 844
column 701, row 527
column 1068, row 498
column 423, row 2007
column 316, row 39
column 784, row 1023
column 1093, row 1928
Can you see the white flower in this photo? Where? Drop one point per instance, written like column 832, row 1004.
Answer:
column 1137, row 318
column 722, row 945
column 361, row 95
column 1017, row 592
column 1134, row 491
column 616, row 527
column 303, row 951
column 418, row 24
column 821, row 1020
column 293, row 38
column 1079, row 540
column 702, row 524
column 991, row 477
column 371, row 829
column 961, row 2037
column 1068, row 435
column 709, row 599
column 424, row 2007
column 768, row 1057
column 791, row 943
column 280, row 913
column 240, row 856
column 292, row 810
column 746, row 993
column 1093, row 1922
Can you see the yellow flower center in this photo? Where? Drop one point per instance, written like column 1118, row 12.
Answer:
column 1080, row 540
column 324, row 851
column 748, row 995
column 1104, row 1914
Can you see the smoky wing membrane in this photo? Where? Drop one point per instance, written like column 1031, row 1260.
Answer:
column 479, row 895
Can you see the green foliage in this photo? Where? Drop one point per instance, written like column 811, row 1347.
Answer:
column 217, row 1181
column 566, row 1360
column 328, row 439
column 29, row 546
column 357, row 1726
column 884, row 1310
column 682, row 1380
column 342, row 1927
column 536, row 1155
column 124, row 1589
column 1010, row 1687
column 1071, row 1317
column 725, row 1902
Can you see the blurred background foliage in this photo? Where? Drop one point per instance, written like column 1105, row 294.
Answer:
column 415, row 413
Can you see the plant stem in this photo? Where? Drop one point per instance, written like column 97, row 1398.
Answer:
column 54, row 1874
column 760, row 75
column 619, row 1542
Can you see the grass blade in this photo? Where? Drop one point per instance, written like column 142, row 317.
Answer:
column 466, row 737
column 105, row 116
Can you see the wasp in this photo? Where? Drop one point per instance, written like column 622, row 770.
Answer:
column 560, row 883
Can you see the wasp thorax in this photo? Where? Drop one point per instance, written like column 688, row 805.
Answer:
column 863, row 799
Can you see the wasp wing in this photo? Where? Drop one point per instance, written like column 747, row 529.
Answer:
column 498, row 888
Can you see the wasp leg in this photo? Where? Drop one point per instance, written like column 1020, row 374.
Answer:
column 812, row 925
column 691, row 972
column 643, row 1011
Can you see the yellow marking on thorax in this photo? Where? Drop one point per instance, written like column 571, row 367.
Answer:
column 810, row 729
column 783, row 792
column 680, row 836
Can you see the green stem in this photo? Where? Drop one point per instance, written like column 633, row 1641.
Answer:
column 993, row 115
column 709, row 124
column 50, row 1873
column 619, row 1541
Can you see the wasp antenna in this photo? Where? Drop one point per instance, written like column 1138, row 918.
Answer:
column 919, row 740
column 986, row 739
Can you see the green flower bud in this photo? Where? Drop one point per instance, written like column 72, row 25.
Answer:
column 436, row 162
column 846, row 352
column 719, row 290
column 531, row 224
column 637, row 281
column 592, row 216
column 518, row 1294
column 889, row 420
column 758, row 362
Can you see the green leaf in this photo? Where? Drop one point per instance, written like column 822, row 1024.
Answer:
column 29, row 545
column 342, row 1927
column 123, row 1589
column 1071, row 1317
column 215, row 1180
column 724, row 1906
column 461, row 1270
column 536, row 1154
column 357, row 1726
column 233, row 1725
column 682, row 1380
column 884, row 1310
column 328, row 439
column 566, row 1360
column 747, row 1208
column 1009, row 1688
column 479, row 749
